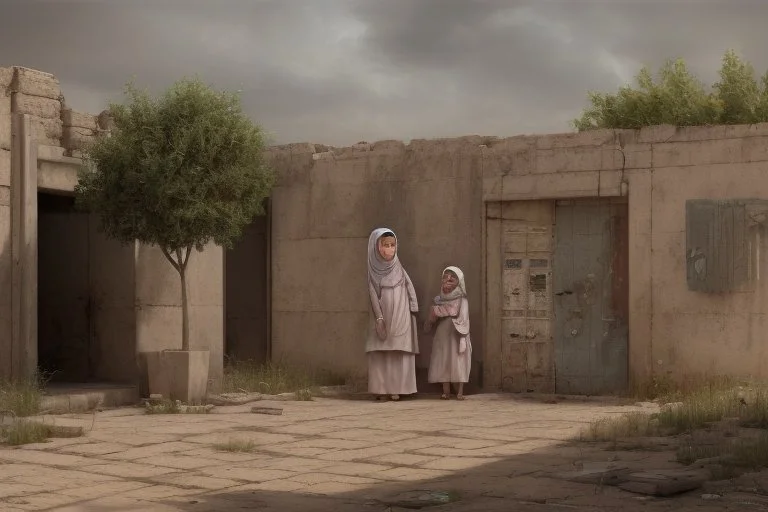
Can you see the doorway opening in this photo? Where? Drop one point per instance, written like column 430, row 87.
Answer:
column 63, row 304
column 246, row 297
column 86, row 317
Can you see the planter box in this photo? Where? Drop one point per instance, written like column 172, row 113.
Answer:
column 179, row 374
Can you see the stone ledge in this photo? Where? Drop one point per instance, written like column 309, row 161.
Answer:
column 78, row 119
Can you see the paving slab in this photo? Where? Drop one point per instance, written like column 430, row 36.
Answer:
column 487, row 453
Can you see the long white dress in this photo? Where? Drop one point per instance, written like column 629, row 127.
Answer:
column 391, row 362
column 447, row 362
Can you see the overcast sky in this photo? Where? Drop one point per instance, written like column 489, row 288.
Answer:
column 343, row 71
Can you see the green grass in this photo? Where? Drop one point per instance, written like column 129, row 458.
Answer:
column 731, row 456
column 236, row 446
column 25, row 432
column 709, row 419
column 167, row 406
column 628, row 425
column 21, row 398
column 276, row 378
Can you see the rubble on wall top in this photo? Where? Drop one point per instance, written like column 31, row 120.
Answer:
column 608, row 137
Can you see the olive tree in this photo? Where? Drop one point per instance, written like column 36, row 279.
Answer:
column 177, row 171
column 675, row 96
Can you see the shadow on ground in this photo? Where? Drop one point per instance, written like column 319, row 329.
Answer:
column 524, row 482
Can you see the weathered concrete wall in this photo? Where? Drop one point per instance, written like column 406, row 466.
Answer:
column 325, row 206
column 432, row 193
column 112, row 288
column 6, row 76
column 673, row 331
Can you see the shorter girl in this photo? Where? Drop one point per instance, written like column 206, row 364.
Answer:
column 451, row 357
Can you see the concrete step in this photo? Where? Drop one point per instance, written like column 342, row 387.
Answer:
column 74, row 398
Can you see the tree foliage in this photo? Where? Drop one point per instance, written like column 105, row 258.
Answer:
column 177, row 171
column 677, row 97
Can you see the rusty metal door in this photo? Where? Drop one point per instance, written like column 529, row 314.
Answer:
column 590, row 285
column 526, row 306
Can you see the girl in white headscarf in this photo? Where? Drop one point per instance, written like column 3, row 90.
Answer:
column 392, row 343
column 451, row 357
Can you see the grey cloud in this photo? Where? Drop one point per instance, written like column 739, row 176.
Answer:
column 339, row 71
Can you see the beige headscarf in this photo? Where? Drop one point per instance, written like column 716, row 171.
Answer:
column 459, row 291
column 381, row 272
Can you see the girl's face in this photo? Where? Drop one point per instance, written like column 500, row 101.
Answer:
column 450, row 282
column 387, row 248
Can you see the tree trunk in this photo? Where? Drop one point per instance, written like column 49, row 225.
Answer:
column 184, row 310
column 180, row 264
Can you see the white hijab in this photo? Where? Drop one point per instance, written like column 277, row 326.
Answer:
column 381, row 272
column 459, row 291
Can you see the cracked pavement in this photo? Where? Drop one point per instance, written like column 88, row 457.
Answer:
column 491, row 452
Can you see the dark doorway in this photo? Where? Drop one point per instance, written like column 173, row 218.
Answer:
column 63, row 290
column 247, row 293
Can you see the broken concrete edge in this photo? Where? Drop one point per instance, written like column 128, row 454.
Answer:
column 53, row 430
column 275, row 411
column 601, row 137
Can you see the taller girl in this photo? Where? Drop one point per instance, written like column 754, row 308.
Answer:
column 392, row 342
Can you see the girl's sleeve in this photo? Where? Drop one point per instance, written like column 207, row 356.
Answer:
column 411, row 293
column 461, row 321
column 375, row 304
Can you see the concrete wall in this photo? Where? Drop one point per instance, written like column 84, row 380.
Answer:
column 673, row 331
column 432, row 193
column 112, row 288
column 326, row 204
column 6, row 74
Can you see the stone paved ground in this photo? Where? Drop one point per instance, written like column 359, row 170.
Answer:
column 492, row 452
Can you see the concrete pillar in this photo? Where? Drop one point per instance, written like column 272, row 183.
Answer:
column 640, row 278
column 23, row 249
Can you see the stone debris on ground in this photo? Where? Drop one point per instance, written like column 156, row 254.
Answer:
column 276, row 411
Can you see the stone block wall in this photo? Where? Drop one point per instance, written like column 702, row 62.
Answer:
column 130, row 309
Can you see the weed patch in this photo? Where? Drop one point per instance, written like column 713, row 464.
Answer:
column 236, row 446
column 275, row 378
column 21, row 398
column 167, row 406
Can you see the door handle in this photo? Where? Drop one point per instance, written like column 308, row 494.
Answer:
column 564, row 292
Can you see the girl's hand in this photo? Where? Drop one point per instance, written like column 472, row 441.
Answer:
column 381, row 329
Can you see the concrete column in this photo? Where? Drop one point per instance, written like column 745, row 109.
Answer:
column 23, row 249
column 640, row 277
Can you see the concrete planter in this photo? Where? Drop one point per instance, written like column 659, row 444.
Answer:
column 179, row 374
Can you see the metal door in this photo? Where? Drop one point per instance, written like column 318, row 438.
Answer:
column 590, row 285
column 526, row 302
